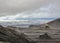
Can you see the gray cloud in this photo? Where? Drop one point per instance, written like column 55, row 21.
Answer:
column 30, row 8
column 9, row 7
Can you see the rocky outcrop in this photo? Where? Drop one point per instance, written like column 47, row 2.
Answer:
column 45, row 36
column 8, row 35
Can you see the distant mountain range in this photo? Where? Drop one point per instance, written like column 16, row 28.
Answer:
column 35, row 18
column 25, row 22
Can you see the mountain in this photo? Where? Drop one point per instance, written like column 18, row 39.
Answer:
column 55, row 24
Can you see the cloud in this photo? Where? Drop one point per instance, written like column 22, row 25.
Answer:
column 15, row 9
column 42, row 12
column 12, row 7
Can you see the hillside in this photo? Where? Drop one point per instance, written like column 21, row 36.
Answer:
column 12, row 36
column 55, row 24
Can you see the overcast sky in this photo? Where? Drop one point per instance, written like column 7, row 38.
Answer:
column 15, row 9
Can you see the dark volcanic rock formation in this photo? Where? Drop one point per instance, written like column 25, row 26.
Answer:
column 8, row 35
column 45, row 36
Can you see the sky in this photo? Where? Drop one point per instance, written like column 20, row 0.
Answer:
column 23, row 9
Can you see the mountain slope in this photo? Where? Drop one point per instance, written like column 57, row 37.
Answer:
column 12, row 36
column 55, row 24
